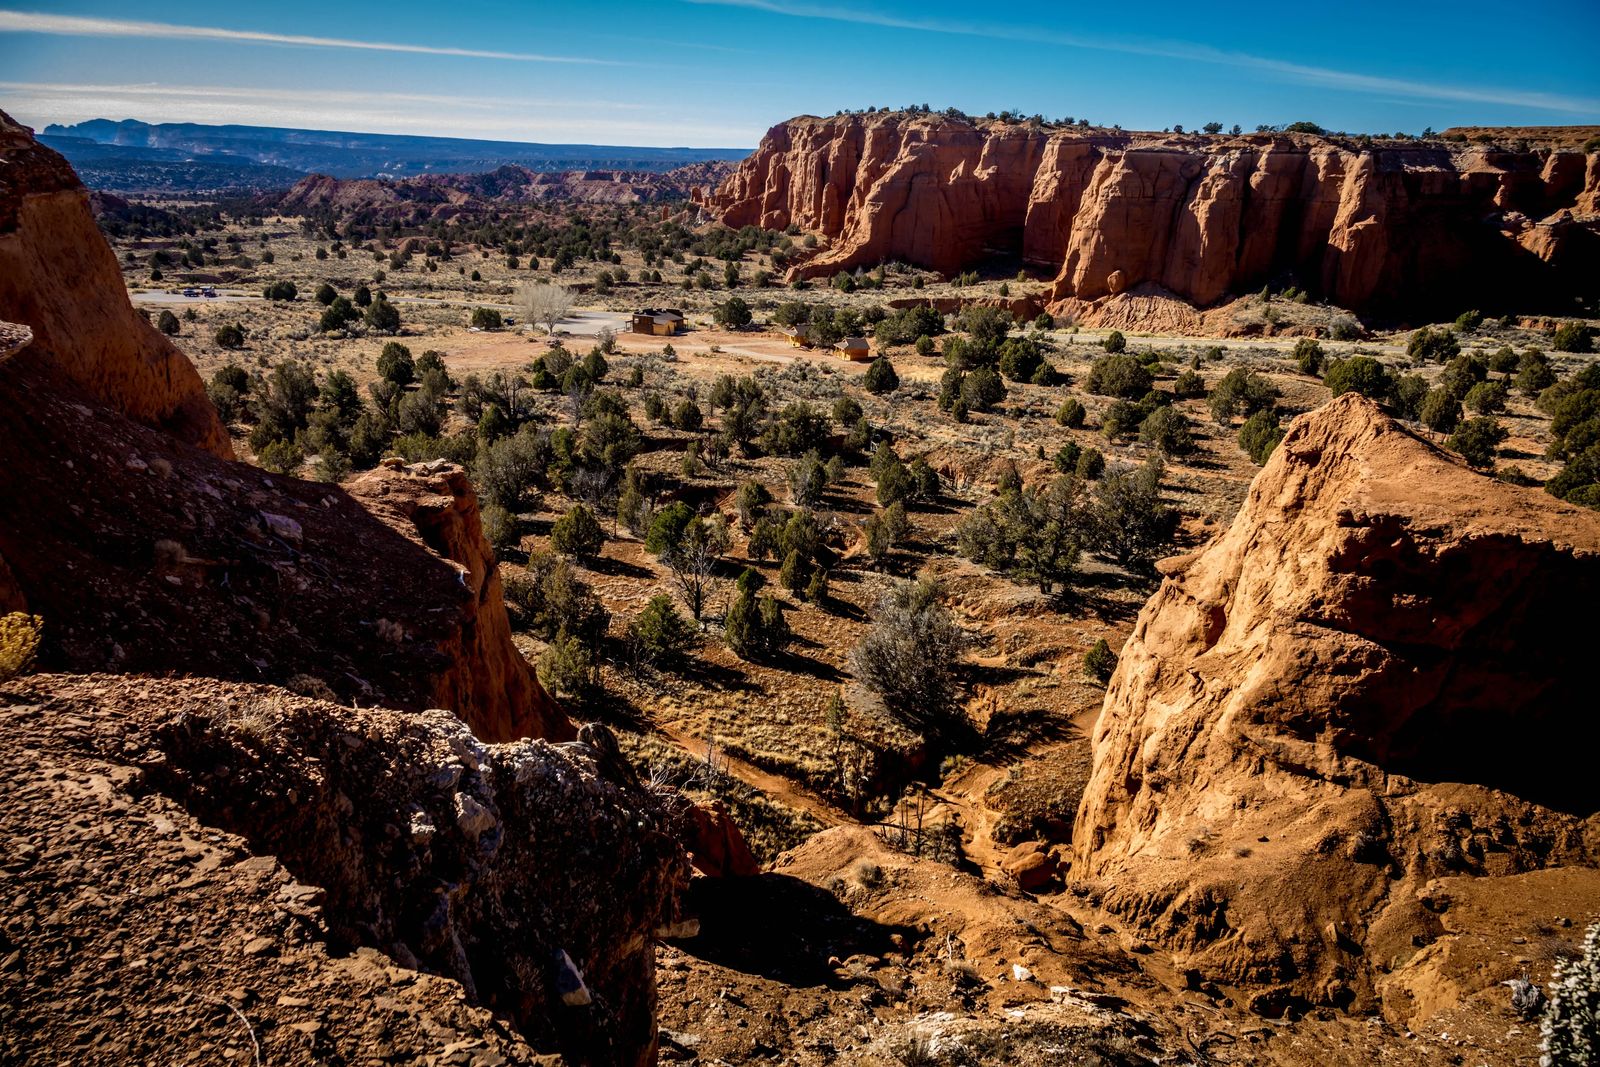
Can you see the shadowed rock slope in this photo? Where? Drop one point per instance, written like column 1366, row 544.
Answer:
column 1370, row 684
column 1389, row 227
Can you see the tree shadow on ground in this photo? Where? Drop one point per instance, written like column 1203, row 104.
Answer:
column 1009, row 737
column 782, row 928
column 618, row 568
column 794, row 662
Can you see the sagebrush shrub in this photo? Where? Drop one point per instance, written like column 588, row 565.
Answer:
column 1571, row 1027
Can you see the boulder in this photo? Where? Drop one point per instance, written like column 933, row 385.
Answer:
column 708, row 833
column 1032, row 865
column 315, row 844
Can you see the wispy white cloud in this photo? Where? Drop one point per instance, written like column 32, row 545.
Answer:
column 274, row 95
column 1349, row 81
column 494, row 117
column 76, row 26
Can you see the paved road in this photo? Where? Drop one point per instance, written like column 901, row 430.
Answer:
column 224, row 296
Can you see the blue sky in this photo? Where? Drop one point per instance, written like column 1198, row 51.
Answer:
column 720, row 72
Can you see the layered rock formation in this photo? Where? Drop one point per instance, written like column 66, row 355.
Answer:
column 59, row 278
column 1391, row 227
column 146, row 549
column 359, row 886
column 1370, row 682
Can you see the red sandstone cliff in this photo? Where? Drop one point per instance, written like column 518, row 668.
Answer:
column 1368, row 685
column 1388, row 227
column 59, row 278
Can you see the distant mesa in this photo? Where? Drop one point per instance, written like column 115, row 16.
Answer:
column 140, row 157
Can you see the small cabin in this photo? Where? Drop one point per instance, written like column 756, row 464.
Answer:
column 855, row 349
column 657, row 322
column 798, row 336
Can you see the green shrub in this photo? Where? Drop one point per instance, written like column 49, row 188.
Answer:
column 396, row 365
column 1114, row 342
column 1259, row 436
column 909, row 655
column 1071, row 414
column 1487, row 398
column 1167, row 429
column 1241, row 392
column 229, row 335
column 1358, row 374
column 1534, row 373
column 1131, row 524
column 487, row 319
column 755, row 627
column 880, row 377
column 1428, row 345
column 661, row 636
column 1441, row 412
column 1573, row 337
column 1308, row 356
column 1477, row 441
column 982, row 389
column 1189, row 386
column 281, row 457
column 1100, row 662
column 382, row 316
column 567, row 668
column 1119, row 376
column 577, row 533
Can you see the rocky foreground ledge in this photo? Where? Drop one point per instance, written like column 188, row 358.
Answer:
column 194, row 869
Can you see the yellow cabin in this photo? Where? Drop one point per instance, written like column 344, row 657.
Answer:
column 855, row 349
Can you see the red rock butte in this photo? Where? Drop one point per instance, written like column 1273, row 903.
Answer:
column 1392, row 227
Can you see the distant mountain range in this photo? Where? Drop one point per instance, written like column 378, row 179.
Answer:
column 183, row 158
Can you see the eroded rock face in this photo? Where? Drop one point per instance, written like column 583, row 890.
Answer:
column 488, row 683
column 59, row 278
column 305, row 836
column 1391, row 228
column 1370, row 681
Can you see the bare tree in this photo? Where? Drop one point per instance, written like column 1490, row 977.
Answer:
column 545, row 303
column 694, row 559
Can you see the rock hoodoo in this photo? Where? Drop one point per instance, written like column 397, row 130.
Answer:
column 1368, row 684
column 1389, row 226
